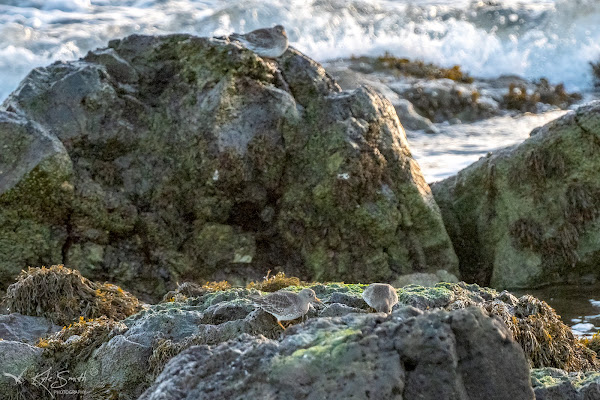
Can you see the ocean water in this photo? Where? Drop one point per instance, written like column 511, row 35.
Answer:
column 533, row 38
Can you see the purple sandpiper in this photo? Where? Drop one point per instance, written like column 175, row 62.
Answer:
column 266, row 42
column 286, row 306
column 380, row 296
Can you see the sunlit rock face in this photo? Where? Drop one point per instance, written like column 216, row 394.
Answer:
column 159, row 159
column 527, row 215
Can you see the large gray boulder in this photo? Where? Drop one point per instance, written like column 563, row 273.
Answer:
column 461, row 354
column 159, row 159
column 25, row 328
column 527, row 215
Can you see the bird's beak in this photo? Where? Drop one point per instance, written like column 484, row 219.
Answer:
column 318, row 300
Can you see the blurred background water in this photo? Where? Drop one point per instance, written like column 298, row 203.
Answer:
column 534, row 38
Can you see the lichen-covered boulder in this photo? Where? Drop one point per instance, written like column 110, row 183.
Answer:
column 556, row 384
column 177, row 157
column 18, row 362
column 527, row 215
column 35, row 171
column 461, row 354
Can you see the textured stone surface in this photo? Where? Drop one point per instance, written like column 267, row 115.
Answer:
column 461, row 354
column 174, row 158
column 555, row 384
column 19, row 360
column 24, row 328
column 528, row 215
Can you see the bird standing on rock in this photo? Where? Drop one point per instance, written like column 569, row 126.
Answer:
column 266, row 42
column 286, row 306
column 380, row 296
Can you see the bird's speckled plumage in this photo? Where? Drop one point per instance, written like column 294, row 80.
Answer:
column 381, row 296
column 286, row 306
column 266, row 42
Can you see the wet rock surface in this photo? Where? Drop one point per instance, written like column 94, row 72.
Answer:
column 164, row 159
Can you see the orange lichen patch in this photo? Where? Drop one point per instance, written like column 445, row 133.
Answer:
column 274, row 283
column 63, row 295
column 217, row 286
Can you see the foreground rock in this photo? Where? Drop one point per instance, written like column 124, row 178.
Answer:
column 527, row 216
column 463, row 340
column 25, row 328
column 555, row 384
column 444, row 355
column 161, row 159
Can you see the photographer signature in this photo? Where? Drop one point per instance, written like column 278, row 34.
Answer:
column 49, row 381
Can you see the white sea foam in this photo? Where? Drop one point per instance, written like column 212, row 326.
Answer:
column 535, row 38
column 532, row 38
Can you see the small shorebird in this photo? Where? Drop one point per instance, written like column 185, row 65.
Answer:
column 266, row 42
column 286, row 306
column 380, row 296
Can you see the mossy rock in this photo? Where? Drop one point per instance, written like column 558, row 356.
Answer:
column 527, row 216
column 193, row 159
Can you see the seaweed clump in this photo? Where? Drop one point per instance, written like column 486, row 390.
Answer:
column 274, row 283
column 544, row 338
column 78, row 340
column 527, row 234
column 63, row 295
column 519, row 98
column 165, row 349
column 192, row 289
column 420, row 69
column 592, row 343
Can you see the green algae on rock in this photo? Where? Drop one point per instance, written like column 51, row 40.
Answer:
column 526, row 216
column 555, row 384
column 180, row 158
column 35, row 192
